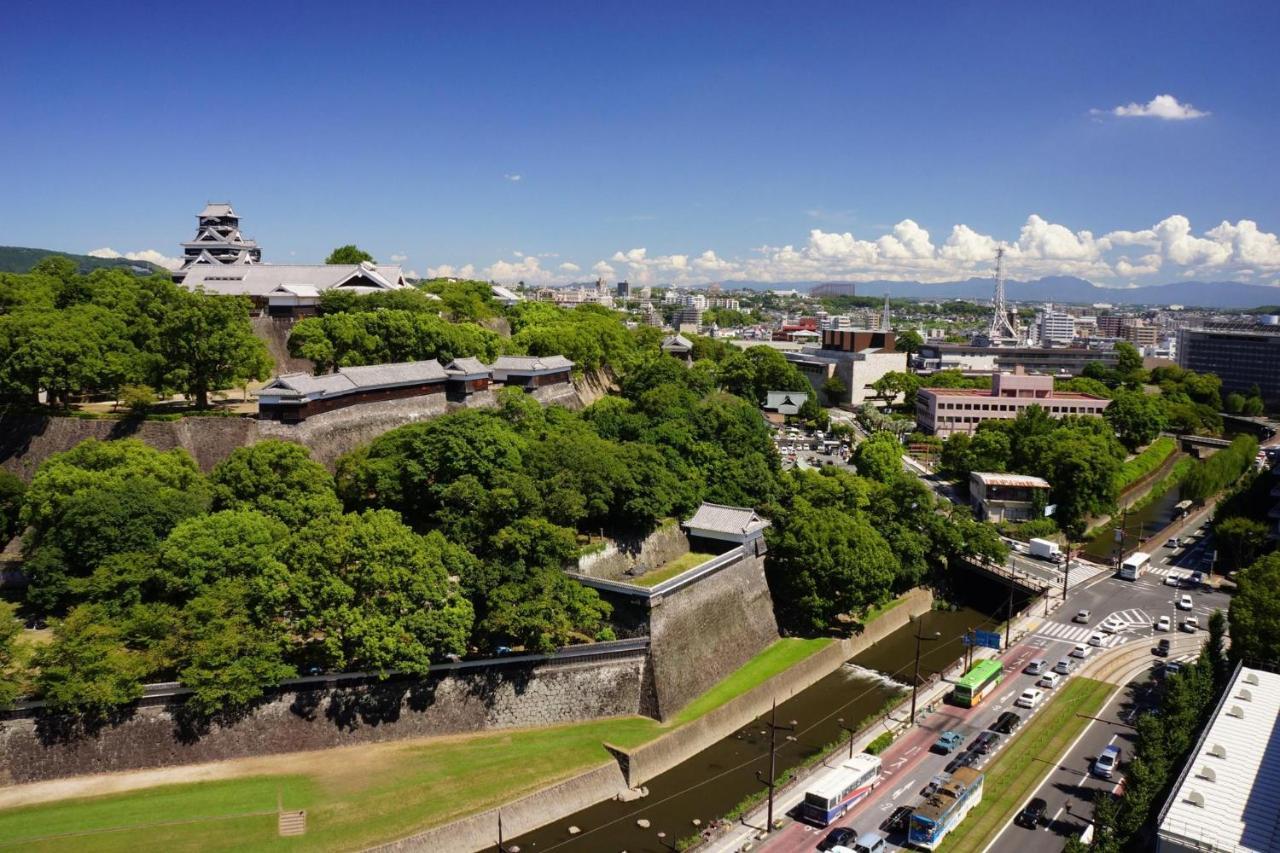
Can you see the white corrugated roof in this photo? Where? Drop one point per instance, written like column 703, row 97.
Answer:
column 1025, row 481
column 1228, row 797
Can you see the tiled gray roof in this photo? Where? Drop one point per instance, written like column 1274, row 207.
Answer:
column 349, row 379
column 677, row 342
column 726, row 519
column 469, row 366
column 261, row 279
column 532, row 362
column 217, row 208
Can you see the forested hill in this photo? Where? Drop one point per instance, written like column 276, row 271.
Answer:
column 21, row 259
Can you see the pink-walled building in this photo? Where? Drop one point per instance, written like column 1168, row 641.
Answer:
column 946, row 411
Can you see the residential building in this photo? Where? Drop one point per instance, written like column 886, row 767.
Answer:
column 1007, row 497
column 946, row 411
column 857, row 357
column 291, row 290
column 690, row 316
column 1242, row 355
column 218, row 241
column 1055, row 361
column 1227, row 797
column 1057, row 327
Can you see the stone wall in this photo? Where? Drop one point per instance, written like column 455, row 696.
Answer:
column 496, row 697
column 705, row 630
column 659, row 547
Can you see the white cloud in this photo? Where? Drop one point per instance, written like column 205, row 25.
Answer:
column 515, row 179
column 450, row 271
column 150, row 255
column 399, row 257
column 967, row 245
column 1165, row 107
column 603, row 270
column 570, row 267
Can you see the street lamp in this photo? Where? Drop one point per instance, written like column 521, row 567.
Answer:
column 840, row 721
column 503, row 848
column 774, row 728
column 915, row 681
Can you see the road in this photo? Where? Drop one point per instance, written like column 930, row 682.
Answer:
column 909, row 765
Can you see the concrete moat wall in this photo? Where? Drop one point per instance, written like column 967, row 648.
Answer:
column 495, row 697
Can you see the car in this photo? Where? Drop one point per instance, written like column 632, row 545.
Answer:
column 947, row 741
column 898, row 820
column 1173, row 579
column 984, row 742
column 1162, row 647
column 1049, row 680
column 965, row 758
column 840, row 836
column 1082, row 616
column 1184, row 603
column 1105, row 764
column 1191, row 624
column 1096, row 639
column 869, row 842
column 1164, row 624
column 1197, row 579
column 934, row 784
column 1172, row 668
column 502, row 651
column 1036, row 667
column 1172, row 543
column 1006, row 723
column 1063, row 667
column 1081, row 651
column 1029, row 698
column 1110, row 626
column 1032, row 814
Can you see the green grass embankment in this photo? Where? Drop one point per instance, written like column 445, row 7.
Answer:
column 1019, row 768
column 359, row 797
column 1145, row 462
column 680, row 564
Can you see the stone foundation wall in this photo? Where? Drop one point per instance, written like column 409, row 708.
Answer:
column 659, row 547
column 704, row 631
column 496, row 697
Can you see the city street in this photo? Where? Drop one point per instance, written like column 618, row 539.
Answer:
column 1133, row 606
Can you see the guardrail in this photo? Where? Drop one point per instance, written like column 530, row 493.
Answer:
column 159, row 693
column 688, row 576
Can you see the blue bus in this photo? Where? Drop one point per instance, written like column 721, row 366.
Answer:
column 945, row 808
column 840, row 788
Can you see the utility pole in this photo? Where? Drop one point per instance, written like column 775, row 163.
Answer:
column 915, row 680
column 503, row 848
column 774, row 728
column 1008, row 622
column 840, row 721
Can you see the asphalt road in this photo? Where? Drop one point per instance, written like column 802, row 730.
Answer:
column 909, row 765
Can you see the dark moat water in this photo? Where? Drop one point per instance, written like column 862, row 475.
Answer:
column 711, row 783
column 1137, row 527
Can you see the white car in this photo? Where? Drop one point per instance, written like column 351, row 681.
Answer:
column 1081, row 651
column 1049, row 679
column 1191, row 624
column 1096, row 639
column 1029, row 698
column 1184, row 603
column 1082, row 617
column 1110, row 626
column 1063, row 667
column 1164, row 623
column 1173, row 580
column 1036, row 667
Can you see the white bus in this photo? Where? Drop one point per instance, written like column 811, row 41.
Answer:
column 1131, row 569
column 837, row 790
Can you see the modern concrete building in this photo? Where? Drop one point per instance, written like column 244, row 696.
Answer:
column 1057, row 327
column 1243, row 356
column 858, row 357
column 1228, row 796
column 1006, row 497
column 946, row 411
column 1054, row 361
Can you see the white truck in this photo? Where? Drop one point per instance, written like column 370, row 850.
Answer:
column 1046, row 550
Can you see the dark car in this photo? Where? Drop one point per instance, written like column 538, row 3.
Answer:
column 1033, row 814
column 962, row 759
column 899, row 820
column 1162, row 647
column 934, row 784
column 1006, row 723
column 984, row 743
column 841, row 835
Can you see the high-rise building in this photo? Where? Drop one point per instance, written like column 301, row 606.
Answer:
column 624, row 290
column 1057, row 327
column 218, row 240
column 1243, row 356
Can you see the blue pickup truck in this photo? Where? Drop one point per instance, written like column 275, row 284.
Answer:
column 947, row 741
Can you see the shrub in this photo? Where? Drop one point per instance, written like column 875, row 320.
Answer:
column 880, row 743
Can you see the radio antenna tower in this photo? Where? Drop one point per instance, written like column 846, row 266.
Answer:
column 1001, row 328
column 884, row 318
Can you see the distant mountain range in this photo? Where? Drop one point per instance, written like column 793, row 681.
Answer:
column 21, row 259
column 1064, row 289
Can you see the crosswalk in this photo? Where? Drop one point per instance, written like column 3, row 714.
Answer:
column 1073, row 633
column 1081, row 572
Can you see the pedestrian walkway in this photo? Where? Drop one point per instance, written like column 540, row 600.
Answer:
column 1074, row 633
column 1082, row 572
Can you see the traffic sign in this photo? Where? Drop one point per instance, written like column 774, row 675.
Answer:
column 990, row 639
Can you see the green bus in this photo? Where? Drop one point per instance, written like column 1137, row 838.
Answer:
column 975, row 684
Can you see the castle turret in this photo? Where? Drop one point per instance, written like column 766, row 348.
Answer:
column 218, row 240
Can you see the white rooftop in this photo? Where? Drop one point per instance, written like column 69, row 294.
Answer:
column 261, row 279
column 217, row 208
column 1228, row 797
column 1025, row 481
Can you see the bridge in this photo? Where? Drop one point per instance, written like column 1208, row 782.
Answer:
column 1013, row 575
column 1192, row 442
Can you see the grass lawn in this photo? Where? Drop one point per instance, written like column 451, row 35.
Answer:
column 1021, row 765
column 356, row 798
column 881, row 609
column 679, row 564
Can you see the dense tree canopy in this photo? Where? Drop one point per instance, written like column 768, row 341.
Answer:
column 278, row 478
column 348, row 254
column 1255, row 613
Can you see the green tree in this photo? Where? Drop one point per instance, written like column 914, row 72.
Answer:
column 87, row 669
column 10, row 674
column 348, row 254
column 879, row 457
column 278, row 478
column 908, row 341
column 1240, row 540
column 1254, row 614
column 209, row 345
column 1254, row 406
column 835, row 391
column 1081, row 469
column 366, row 592
column 234, row 543
column 1233, row 404
column 1136, row 417
column 12, row 491
column 1129, row 363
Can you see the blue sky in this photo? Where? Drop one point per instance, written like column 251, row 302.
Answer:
column 789, row 141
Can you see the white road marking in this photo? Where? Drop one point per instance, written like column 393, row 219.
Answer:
column 1054, row 819
column 898, row 792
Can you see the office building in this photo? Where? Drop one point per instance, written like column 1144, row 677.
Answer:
column 1243, row 356
column 1057, row 327
column 857, row 357
column 624, row 290
column 946, row 411
column 1054, row 361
